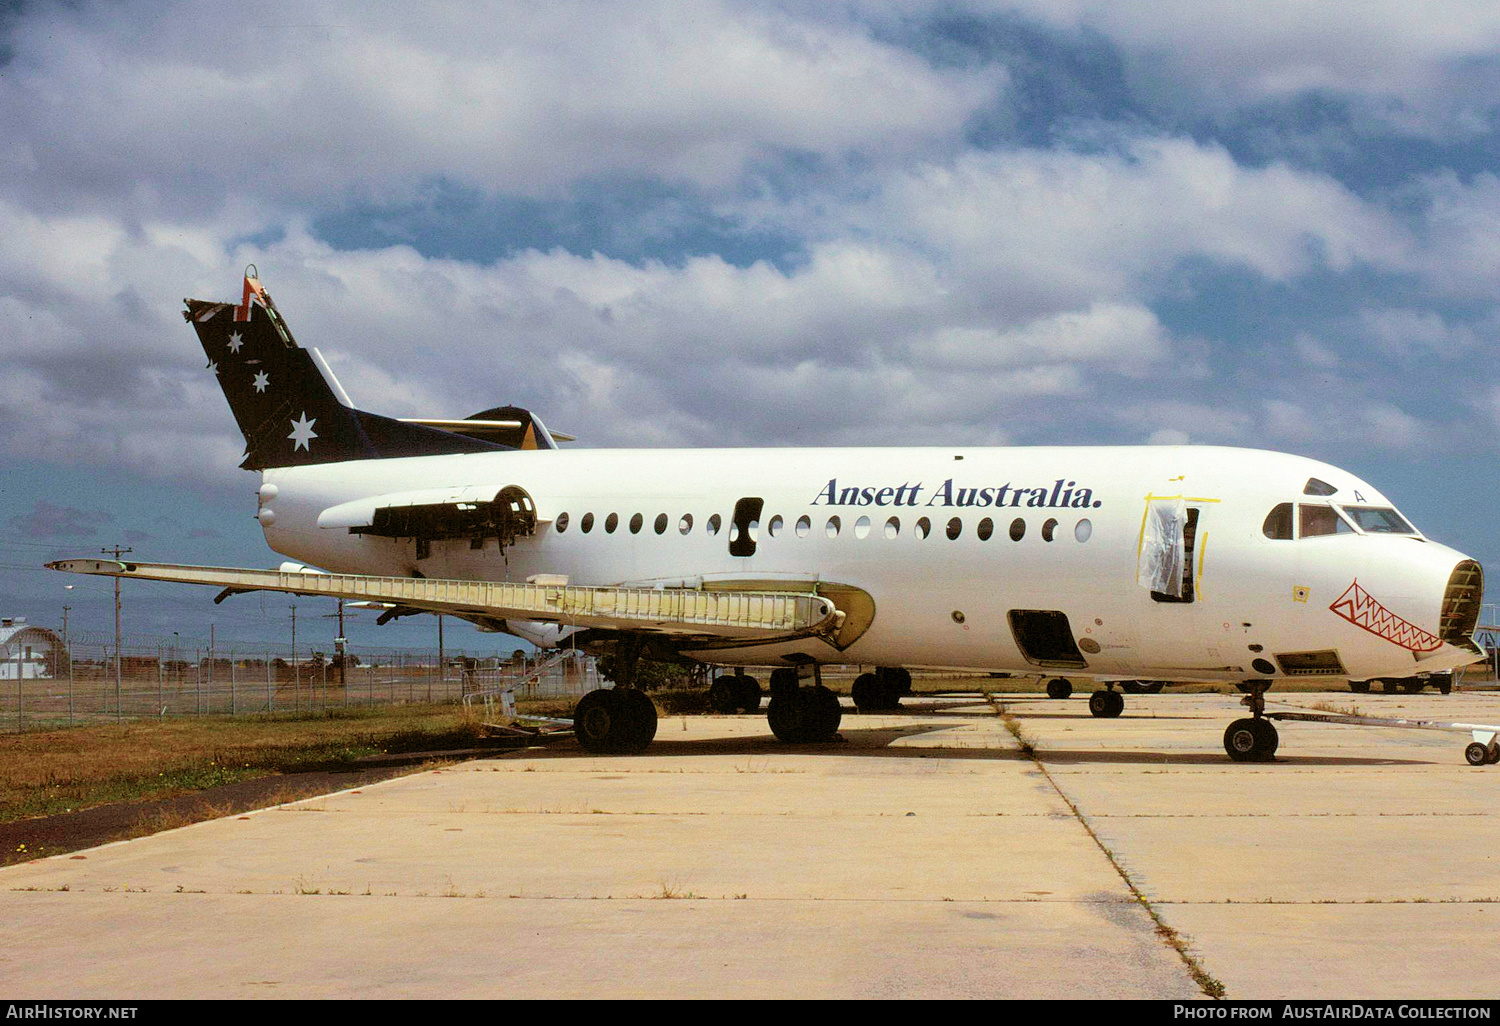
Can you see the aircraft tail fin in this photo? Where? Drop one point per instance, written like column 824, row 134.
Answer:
column 289, row 406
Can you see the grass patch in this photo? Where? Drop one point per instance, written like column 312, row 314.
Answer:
column 46, row 773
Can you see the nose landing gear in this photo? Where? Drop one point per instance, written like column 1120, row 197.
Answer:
column 1253, row 739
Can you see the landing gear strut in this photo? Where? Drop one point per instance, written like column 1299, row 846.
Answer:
column 1254, row 739
column 800, row 714
column 617, row 719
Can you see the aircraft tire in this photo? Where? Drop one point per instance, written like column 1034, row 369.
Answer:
column 1059, row 687
column 747, row 692
column 783, row 678
column 1390, row 686
column 1359, row 687
column 898, row 678
column 1106, row 704
column 638, row 720
column 866, row 693
column 598, row 719
column 826, row 713
column 1269, row 739
column 1476, row 754
column 722, row 694
column 1241, row 740
column 787, row 715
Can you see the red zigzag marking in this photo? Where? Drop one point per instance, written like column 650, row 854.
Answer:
column 1361, row 608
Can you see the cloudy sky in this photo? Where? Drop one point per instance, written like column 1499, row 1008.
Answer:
column 1040, row 221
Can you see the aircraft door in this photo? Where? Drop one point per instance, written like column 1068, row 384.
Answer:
column 1170, row 560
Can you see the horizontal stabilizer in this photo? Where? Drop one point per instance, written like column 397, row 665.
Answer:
column 754, row 616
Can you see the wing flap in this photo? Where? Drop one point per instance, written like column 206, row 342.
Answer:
column 756, row 616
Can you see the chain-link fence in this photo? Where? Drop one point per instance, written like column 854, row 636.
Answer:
column 81, row 683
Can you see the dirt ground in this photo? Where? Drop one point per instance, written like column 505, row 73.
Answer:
column 42, row 836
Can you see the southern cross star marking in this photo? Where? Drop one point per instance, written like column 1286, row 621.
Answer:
column 302, row 433
column 261, row 381
column 235, row 342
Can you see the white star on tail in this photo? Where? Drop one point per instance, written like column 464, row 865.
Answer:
column 261, row 381
column 235, row 343
column 302, row 433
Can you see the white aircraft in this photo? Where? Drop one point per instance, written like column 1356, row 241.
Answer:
column 1114, row 564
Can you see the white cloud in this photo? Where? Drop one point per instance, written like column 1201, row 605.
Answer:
column 1127, row 336
column 1424, row 69
column 1035, row 231
column 205, row 104
column 1413, row 332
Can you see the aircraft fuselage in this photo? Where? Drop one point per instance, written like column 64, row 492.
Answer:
column 968, row 554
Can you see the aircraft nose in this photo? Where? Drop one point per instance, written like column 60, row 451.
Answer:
column 1421, row 596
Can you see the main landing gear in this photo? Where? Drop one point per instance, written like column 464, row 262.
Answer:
column 614, row 720
column 881, row 690
column 1106, row 703
column 734, row 692
column 799, row 714
column 618, row 719
column 1253, row 739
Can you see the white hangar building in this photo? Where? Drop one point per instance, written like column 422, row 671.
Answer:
column 27, row 650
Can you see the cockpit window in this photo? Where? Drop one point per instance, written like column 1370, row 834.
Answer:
column 1313, row 521
column 1278, row 525
column 1379, row 520
column 1316, row 487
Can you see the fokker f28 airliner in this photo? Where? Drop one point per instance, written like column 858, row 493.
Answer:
column 1111, row 564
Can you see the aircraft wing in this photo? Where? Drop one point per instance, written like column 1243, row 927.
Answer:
column 749, row 615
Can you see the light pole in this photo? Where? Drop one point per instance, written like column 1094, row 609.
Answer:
column 68, row 655
column 117, row 552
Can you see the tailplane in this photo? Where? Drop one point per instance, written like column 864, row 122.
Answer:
column 289, row 406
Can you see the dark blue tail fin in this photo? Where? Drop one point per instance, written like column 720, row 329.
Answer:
column 289, row 406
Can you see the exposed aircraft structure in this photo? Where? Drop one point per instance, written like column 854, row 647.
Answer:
column 1128, row 566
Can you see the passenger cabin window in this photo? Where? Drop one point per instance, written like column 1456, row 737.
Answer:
column 1278, row 525
column 1316, row 521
